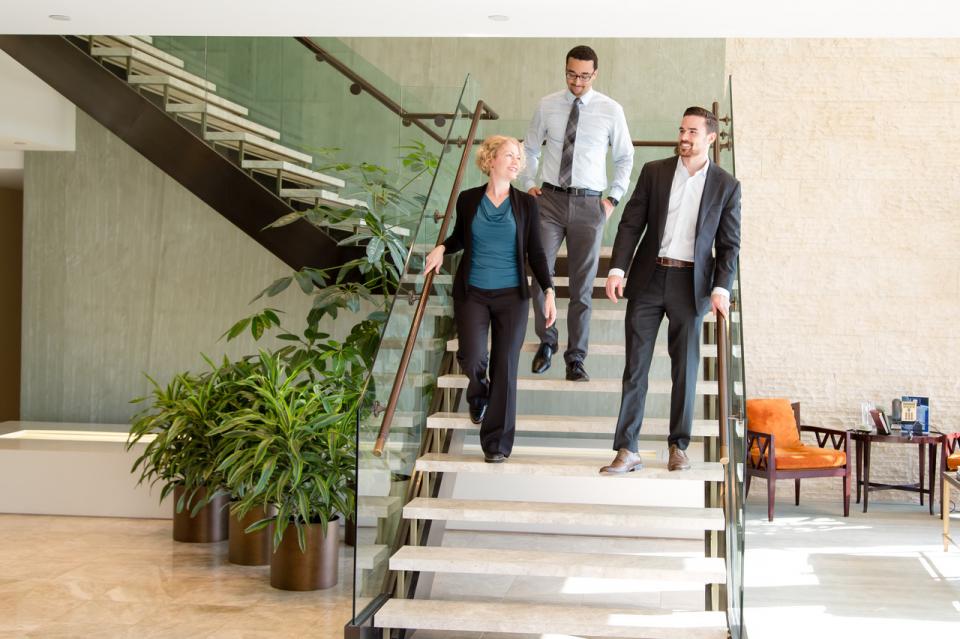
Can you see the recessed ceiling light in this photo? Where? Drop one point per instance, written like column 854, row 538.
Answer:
column 498, row 17
column 59, row 16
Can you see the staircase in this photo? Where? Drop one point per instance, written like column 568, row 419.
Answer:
column 646, row 548
column 176, row 119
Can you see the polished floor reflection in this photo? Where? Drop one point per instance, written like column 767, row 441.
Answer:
column 99, row 577
column 814, row 573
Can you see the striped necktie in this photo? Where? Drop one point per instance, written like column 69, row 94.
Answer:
column 569, row 139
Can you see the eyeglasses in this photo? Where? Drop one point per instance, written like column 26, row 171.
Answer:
column 583, row 77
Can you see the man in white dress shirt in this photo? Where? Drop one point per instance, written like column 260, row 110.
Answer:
column 686, row 209
column 577, row 124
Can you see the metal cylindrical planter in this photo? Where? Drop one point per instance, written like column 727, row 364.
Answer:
column 315, row 569
column 250, row 549
column 210, row 524
column 350, row 532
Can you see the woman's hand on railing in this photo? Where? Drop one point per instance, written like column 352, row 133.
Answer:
column 550, row 307
column 434, row 260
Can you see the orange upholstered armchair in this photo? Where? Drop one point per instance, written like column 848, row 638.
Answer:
column 776, row 452
column 949, row 460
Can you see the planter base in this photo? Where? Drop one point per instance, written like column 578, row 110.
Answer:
column 210, row 524
column 250, row 549
column 315, row 569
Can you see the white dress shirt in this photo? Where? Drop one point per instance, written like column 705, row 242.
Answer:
column 680, row 229
column 601, row 124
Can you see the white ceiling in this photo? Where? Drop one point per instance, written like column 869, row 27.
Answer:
column 527, row 18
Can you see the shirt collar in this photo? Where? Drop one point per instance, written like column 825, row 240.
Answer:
column 584, row 99
column 701, row 173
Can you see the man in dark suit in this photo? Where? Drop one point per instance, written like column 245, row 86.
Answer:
column 685, row 216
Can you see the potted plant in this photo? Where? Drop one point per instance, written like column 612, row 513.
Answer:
column 293, row 449
column 181, row 456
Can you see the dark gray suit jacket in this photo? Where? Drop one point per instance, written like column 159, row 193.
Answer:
column 644, row 219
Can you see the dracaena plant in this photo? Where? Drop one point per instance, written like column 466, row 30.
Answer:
column 385, row 205
column 182, row 417
column 292, row 447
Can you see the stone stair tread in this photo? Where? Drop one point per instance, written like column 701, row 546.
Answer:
column 599, row 425
column 562, row 465
column 660, row 350
column 295, row 170
column 511, row 617
column 221, row 118
column 554, row 513
column 431, row 344
column 596, row 385
column 184, row 91
column 605, row 251
column 360, row 226
column 371, row 556
column 321, row 196
column 377, row 506
column 255, row 142
column 141, row 60
column 141, row 44
column 533, row 563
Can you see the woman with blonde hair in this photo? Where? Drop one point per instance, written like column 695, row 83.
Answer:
column 498, row 230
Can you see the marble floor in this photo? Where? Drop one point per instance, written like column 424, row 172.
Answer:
column 810, row 573
column 98, row 577
column 814, row 573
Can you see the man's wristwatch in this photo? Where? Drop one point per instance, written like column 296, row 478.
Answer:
column 613, row 200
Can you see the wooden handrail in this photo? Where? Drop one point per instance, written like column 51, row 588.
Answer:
column 360, row 84
column 723, row 375
column 427, row 284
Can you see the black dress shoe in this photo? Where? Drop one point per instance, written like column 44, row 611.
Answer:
column 493, row 458
column 575, row 372
column 477, row 412
column 541, row 361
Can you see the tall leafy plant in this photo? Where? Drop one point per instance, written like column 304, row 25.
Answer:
column 182, row 417
column 292, row 447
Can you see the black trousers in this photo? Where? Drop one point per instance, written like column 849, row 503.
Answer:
column 504, row 313
column 669, row 293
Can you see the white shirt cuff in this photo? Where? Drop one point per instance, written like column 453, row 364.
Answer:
column 616, row 271
column 721, row 291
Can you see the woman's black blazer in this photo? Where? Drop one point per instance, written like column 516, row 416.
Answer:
column 527, row 214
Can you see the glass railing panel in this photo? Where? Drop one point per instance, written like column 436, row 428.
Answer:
column 383, row 481
column 295, row 102
column 736, row 392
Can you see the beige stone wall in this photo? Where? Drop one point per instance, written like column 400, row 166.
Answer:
column 846, row 151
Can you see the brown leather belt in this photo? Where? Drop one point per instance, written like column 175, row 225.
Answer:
column 672, row 263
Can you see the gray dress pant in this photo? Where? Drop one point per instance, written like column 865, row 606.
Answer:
column 669, row 293
column 579, row 219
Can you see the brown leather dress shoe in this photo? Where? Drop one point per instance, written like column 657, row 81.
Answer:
column 625, row 462
column 678, row 459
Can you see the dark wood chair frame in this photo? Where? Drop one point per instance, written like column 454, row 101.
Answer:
column 766, row 464
column 949, row 444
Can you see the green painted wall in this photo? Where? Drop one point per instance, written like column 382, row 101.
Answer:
column 125, row 272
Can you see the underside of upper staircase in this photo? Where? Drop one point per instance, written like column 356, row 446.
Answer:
column 175, row 119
